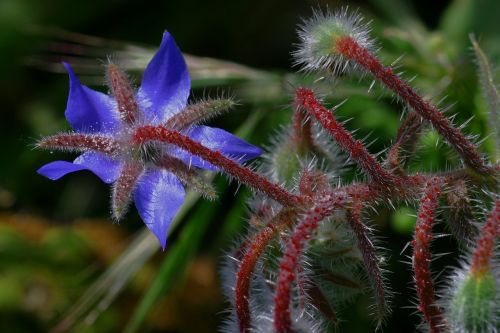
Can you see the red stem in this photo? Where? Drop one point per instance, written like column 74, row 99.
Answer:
column 486, row 243
column 123, row 188
column 244, row 276
column 349, row 48
column 291, row 257
column 123, row 94
column 80, row 142
column 369, row 257
column 312, row 182
column 244, row 175
column 407, row 137
column 422, row 255
column 304, row 98
column 302, row 131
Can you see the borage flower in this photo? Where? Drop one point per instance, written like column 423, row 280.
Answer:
column 154, row 174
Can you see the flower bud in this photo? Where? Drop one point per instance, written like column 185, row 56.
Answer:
column 319, row 35
column 474, row 306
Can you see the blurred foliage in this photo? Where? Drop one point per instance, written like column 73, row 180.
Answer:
column 52, row 262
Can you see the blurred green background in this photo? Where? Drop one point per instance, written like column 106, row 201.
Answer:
column 57, row 243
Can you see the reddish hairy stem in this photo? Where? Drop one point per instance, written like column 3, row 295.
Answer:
column 307, row 183
column 313, row 182
column 173, row 164
column 460, row 215
column 291, row 257
column 350, row 49
column 342, row 198
column 123, row 93
column 198, row 113
column 244, row 276
column 242, row 292
column 302, row 135
column 305, row 99
column 80, row 142
column 422, row 255
column 244, row 175
column 486, row 243
column 320, row 301
column 406, row 138
column 123, row 188
column 369, row 257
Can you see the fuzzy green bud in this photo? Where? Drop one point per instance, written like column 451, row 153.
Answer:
column 473, row 308
column 325, row 36
column 286, row 163
column 319, row 35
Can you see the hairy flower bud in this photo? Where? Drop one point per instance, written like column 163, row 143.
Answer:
column 473, row 306
column 475, row 298
column 318, row 40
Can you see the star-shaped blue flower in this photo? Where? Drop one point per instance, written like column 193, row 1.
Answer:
column 103, row 125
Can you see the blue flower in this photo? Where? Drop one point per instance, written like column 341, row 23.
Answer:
column 151, row 176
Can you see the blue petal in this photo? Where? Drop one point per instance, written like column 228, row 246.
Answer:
column 219, row 140
column 158, row 196
column 104, row 167
column 87, row 110
column 165, row 84
column 58, row 169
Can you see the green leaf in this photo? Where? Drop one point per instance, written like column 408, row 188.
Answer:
column 474, row 306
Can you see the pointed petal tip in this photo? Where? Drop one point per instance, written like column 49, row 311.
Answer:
column 71, row 72
column 88, row 110
column 166, row 84
column 158, row 196
column 166, row 36
column 57, row 169
column 66, row 65
column 107, row 169
column 162, row 239
column 159, row 230
column 254, row 151
column 227, row 143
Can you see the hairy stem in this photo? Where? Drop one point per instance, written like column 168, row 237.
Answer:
column 288, row 264
column 369, row 258
column 305, row 99
column 406, row 139
column 244, row 175
column 79, row 143
column 422, row 255
column 247, row 265
column 123, row 94
column 350, row 49
column 123, row 188
column 302, row 135
column 486, row 243
column 198, row 113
